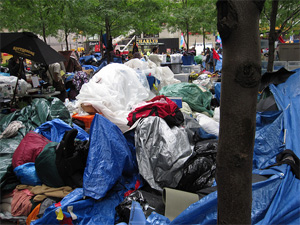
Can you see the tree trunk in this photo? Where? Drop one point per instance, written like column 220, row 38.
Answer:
column 187, row 37
column 272, row 35
column 107, row 53
column 238, row 26
column 203, row 40
column 101, row 43
column 66, row 39
column 44, row 33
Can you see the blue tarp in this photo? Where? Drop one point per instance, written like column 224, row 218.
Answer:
column 54, row 130
column 88, row 211
column 110, row 159
column 218, row 91
column 275, row 200
column 111, row 170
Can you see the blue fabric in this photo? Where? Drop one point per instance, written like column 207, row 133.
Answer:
column 54, row 130
column 88, row 211
column 268, row 138
column 87, row 67
column 70, row 77
column 26, row 174
column 204, row 135
column 117, row 60
column 109, row 161
column 151, row 80
column 218, row 65
column 218, row 91
column 188, row 60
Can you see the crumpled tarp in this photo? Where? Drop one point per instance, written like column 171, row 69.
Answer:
column 87, row 211
column 113, row 91
column 274, row 201
column 197, row 99
column 54, row 130
column 110, row 159
column 38, row 112
column 161, row 152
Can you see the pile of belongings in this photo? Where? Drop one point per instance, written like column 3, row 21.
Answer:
column 147, row 159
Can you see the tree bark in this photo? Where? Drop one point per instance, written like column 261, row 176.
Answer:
column 238, row 23
column 272, row 35
column 203, row 40
column 107, row 29
column 66, row 39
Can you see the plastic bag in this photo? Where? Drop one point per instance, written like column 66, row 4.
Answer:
column 113, row 91
column 26, row 173
column 208, row 124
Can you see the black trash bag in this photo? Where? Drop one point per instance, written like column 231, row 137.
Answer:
column 199, row 170
column 149, row 199
column 71, row 159
column 124, row 208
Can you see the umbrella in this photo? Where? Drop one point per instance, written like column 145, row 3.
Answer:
column 29, row 46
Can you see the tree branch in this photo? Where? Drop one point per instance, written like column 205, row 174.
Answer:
column 290, row 17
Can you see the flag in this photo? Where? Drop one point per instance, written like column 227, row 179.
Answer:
column 216, row 55
column 182, row 42
column 281, row 39
column 219, row 39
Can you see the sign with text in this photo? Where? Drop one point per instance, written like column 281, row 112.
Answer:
column 145, row 41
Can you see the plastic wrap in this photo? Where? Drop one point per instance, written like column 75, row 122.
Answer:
column 113, row 91
column 161, row 152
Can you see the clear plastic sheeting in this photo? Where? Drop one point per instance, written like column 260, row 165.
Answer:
column 161, row 152
column 164, row 74
column 113, row 91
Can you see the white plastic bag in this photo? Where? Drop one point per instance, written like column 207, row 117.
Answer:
column 113, row 91
column 208, row 124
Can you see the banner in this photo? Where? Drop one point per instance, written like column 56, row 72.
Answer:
column 182, row 42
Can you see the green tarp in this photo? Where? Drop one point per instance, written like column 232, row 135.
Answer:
column 197, row 99
column 38, row 112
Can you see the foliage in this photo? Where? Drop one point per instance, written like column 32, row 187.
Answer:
column 37, row 16
column 192, row 16
column 287, row 18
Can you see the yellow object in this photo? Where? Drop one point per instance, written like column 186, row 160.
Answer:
column 59, row 214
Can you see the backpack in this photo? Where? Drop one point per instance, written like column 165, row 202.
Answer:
column 158, row 106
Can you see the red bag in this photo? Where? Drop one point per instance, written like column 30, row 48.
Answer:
column 168, row 110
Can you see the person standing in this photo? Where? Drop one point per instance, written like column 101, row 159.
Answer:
column 55, row 75
column 207, row 59
column 14, row 64
column 154, row 56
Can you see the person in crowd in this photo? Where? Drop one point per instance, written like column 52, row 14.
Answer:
column 118, row 53
column 130, row 55
column 15, row 68
column 137, row 55
column 207, row 59
column 55, row 75
column 154, row 56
